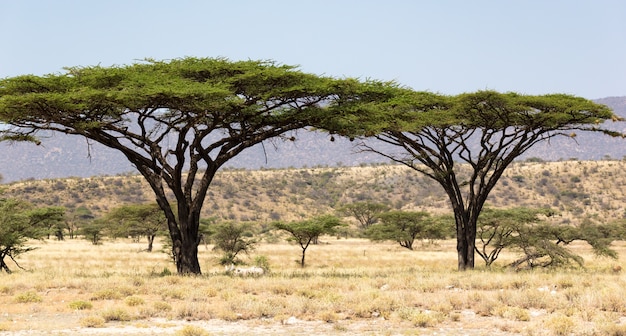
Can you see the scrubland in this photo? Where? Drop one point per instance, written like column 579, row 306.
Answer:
column 349, row 287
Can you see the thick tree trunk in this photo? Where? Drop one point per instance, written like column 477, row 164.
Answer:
column 186, row 255
column 185, row 246
column 465, row 250
column 465, row 240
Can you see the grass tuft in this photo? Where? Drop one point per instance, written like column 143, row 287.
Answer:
column 80, row 305
column 133, row 301
column 116, row 314
column 28, row 297
column 191, row 331
column 92, row 321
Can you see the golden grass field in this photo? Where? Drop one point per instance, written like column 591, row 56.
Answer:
column 350, row 287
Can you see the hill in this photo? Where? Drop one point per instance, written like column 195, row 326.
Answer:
column 65, row 156
column 577, row 189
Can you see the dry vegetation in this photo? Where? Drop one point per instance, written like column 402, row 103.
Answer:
column 575, row 188
column 351, row 286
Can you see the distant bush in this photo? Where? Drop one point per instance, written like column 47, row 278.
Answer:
column 80, row 305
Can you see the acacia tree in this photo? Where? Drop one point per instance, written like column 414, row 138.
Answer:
column 233, row 239
column 487, row 130
column 137, row 220
column 401, row 226
column 19, row 222
column 177, row 122
column 498, row 229
column 366, row 213
column 306, row 231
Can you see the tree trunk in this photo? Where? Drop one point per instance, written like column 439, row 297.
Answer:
column 3, row 265
column 187, row 259
column 185, row 246
column 465, row 240
column 465, row 249
column 302, row 260
column 150, row 242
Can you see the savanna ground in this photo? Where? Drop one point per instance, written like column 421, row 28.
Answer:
column 349, row 287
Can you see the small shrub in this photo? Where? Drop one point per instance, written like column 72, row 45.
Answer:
column 516, row 313
column 116, row 314
column 134, row 301
column 80, row 305
column 5, row 326
column 426, row 319
column 560, row 325
column 6, row 290
column 92, row 321
column 191, row 331
column 174, row 293
column 162, row 306
column 419, row 318
column 106, row 294
column 165, row 272
column 28, row 297
column 261, row 261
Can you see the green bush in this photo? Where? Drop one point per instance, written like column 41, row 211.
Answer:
column 80, row 305
column 28, row 297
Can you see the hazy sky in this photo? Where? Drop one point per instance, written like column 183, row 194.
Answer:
column 531, row 46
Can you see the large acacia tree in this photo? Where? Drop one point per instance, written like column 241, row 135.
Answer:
column 486, row 130
column 176, row 121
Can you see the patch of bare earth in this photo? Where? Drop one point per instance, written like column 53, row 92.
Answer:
column 470, row 324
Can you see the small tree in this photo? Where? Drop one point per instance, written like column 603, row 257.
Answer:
column 497, row 229
column 304, row 232
column 405, row 227
column 76, row 218
column 542, row 244
column 539, row 250
column 52, row 219
column 20, row 221
column 366, row 213
column 232, row 239
column 137, row 220
column 94, row 230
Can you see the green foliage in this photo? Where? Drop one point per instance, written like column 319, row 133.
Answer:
column 50, row 218
column 405, row 227
column 498, row 229
column 542, row 244
column 94, row 230
column 434, row 132
column 366, row 213
column 76, row 219
column 28, row 297
column 137, row 220
column 20, row 221
column 306, row 231
column 80, row 305
column 232, row 239
column 172, row 116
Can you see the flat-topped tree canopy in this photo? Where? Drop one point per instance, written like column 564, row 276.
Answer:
column 486, row 129
column 177, row 121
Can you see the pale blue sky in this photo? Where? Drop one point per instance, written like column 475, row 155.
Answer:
column 532, row 46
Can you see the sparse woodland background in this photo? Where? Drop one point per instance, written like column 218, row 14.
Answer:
column 576, row 189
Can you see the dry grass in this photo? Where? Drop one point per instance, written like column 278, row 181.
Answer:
column 348, row 285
